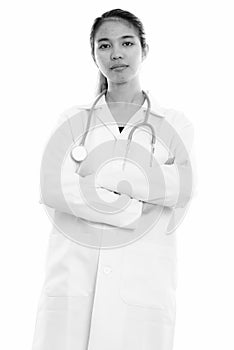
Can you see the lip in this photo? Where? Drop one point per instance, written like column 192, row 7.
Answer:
column 119, row 66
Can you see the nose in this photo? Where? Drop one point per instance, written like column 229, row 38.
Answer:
column 116, row 53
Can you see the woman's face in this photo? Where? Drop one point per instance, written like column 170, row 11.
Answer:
column 118, row 52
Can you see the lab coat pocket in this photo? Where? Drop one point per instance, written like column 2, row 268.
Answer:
column 149, row 276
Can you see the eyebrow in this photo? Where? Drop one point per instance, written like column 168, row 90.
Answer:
column 122, row 37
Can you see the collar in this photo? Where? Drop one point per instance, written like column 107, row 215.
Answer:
column 156, row 109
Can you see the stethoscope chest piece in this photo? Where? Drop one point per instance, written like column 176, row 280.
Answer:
column 79, row 153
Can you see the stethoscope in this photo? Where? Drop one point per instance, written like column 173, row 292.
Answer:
column 79, row 153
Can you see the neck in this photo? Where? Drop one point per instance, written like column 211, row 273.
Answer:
column 125, row 92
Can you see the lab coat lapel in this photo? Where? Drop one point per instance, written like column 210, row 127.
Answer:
column 105, row 115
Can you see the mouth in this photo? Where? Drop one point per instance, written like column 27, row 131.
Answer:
column 119, row 67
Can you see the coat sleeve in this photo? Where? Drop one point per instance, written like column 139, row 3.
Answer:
column 77, row 195
column 172, row 184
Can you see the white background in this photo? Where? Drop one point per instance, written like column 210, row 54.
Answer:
column 46, row 67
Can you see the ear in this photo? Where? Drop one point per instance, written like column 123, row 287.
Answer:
column 145, row 52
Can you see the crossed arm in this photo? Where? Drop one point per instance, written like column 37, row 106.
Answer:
column 100, row 199
column 64, row 190
column 169, row 184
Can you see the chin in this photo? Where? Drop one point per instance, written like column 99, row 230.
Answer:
column 122, row 79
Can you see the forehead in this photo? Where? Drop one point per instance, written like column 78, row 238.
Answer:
column 114, row 28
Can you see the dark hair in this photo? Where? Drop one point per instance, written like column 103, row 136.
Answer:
column 124, row 15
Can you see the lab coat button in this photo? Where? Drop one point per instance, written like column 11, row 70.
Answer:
column 107, row 269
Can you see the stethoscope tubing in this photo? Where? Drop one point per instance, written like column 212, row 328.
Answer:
column 144, row 123
column 134, row 128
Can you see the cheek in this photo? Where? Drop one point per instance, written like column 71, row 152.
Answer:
column 136, row 57
column 136, row 63
column 101, row 60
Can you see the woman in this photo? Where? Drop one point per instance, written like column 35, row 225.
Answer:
column 111, row 265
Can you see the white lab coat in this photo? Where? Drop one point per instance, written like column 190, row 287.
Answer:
column 121, row 298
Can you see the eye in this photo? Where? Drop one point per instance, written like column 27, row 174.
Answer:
column 128, row 43
column 104, row 46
